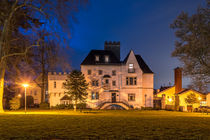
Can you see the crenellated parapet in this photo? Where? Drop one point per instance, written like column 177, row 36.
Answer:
column 57, row 75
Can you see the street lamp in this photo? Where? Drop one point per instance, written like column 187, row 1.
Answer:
column 145, row 99
column 25, row 86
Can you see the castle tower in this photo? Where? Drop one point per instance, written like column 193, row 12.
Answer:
column 114, row 47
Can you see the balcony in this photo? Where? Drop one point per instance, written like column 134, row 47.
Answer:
column 131, row 70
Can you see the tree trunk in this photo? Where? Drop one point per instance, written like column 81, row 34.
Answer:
column 2, row 74
column 43, row 74
column 75, row 106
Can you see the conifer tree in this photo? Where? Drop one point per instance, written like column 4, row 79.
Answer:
column 76, row 87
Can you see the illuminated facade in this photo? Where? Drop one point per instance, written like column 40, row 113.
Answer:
column 176, row 95
column 112, row 83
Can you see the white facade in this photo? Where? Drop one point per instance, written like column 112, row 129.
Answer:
column 140, row 88
column 122, row 84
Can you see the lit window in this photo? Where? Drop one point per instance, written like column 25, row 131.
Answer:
column 106, row 58
column 95, row 96
column 89, row 72
column 54, row 84
column 131, row 97
column 113, row 83
column 114, row 72
column 100, row 72
column 130, row 66
column 97, row 58
column 92, row 95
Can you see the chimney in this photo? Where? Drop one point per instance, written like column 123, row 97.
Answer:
column 114, row 47
column 178, row 79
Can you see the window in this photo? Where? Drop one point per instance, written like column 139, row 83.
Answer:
column 97, row 58
column 54, row 94
column 31, row 92
column 100, row 72
column 113, row 83
column 97, row 95
column 36, row 101
column 35, row 92
column 131, row 81
column 131, row 97
column 107, row 81
column 54, row 84
column 92, row 95
column 106, row 58
column 131, row 68
column 95, row 83
column 59, row 94
column 113, row 72
column 89, row 72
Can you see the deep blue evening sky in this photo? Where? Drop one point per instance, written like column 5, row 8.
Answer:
column 140, row 25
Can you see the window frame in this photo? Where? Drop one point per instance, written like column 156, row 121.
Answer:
column 100, row 72
column 106, row 58
column 97, row 58
column 113, row 83
column 55, row 84
column 133, row 95
column 114, row 73
column 131, row 81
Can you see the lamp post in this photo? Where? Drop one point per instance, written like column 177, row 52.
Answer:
column 145, row 99
column 25, row 86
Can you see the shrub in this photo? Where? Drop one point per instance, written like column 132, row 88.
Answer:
column 146, row 108
column 69, row 106
column 81, row 106
column 14, row 103
column 61, row 106
column 44, row 106
column 29, row 101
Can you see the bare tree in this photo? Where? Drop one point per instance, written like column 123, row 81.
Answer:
column 28, row 14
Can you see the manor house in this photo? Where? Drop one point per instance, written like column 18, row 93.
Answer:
column 112, row 83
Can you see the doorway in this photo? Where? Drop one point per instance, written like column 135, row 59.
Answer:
column 113, row 97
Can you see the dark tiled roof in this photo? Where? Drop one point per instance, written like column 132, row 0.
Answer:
column 65, row 98
column 143, row 65
column 164, row 88
column 90, row 59
column 185, row 90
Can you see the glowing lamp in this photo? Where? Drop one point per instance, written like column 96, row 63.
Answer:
column 25, row 85
column 19, row 95
column 169, row 99
column 199, row 98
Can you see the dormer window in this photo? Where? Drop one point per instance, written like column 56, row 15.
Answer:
column 106, row 58
column 131, row 68
column 96, row 58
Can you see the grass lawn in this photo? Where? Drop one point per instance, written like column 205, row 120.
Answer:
column 104, row 125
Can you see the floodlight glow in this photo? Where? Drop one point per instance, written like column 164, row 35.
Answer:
column 25, row 85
